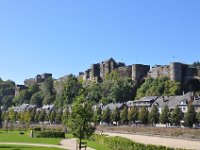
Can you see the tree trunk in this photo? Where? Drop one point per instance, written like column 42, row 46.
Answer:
column 79, row 143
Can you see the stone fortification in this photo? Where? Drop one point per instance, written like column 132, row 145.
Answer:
column 175, row 71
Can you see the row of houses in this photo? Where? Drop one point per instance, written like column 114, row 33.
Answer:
column 160, row 101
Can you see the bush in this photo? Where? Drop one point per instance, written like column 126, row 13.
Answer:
column 48, row 134
column 37, row 129
column 119, row 143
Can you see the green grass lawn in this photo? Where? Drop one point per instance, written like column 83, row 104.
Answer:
column 17, row 147
column 14, row 136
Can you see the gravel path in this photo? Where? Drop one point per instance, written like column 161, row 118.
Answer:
column 169, row 142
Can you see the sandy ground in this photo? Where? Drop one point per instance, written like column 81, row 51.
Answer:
column 169, row 142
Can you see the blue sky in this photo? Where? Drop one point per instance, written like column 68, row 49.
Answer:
column 67, row 36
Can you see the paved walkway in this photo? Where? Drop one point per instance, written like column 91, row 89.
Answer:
column 169, row 142
column 68, row 144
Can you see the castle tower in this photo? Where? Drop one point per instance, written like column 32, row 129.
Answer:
column 139, row 71
column 176, row 71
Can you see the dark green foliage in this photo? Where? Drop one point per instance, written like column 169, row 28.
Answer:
column 176, row 116
column 48, row 134
column 106, row 115
column 0, row 117
column 48, row 91
column 70, row 90
column 23, row 97
column 133, row 114
column 81, row 118
column 94, row 92
column 158, row 87
column 143, row 115
column 190, row 116
column 37, row 99
column 7, row 92
column 154, row 115
column 97, row 115
column 115, row 115
column 165, row 115
column 41, row 115
column 52, row 116
column 124, row 115
column 119, row 143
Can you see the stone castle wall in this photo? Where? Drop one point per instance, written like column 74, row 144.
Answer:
column 175, row 71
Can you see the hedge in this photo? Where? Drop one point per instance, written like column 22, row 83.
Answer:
column 48, row 134
column 119, row 143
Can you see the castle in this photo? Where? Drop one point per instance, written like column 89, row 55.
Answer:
column 28, row 82
column 175, row 71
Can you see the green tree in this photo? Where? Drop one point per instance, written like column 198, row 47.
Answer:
column 94, row 92
column 115, row 115
column 0, row 117
column 106, row 115
column 37, row 99
column 33, row 113
column 143, row 115
column 34, row 88
column 52, row 117
column 190, row 116
column 23, row 97
column 58, row 118
column 159, row 86
column 176, row 116
column 154, row 115
column 70, row 90
column 42, row 116
column 81, row 118
column 25, row 118
column 97, row 115
column 133, row 114
column 12, row 115
column 124, row 115
column 48, row 91
column 165, row 115
column 198, row 117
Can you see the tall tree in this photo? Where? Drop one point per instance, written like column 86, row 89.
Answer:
column 48, row 91
column 0, row 117
column 70, row 90
column 154, row 115
column 190, row 116
column 124, row 115
column 37, row 99
column 81, row 118
column 133, row 114
column 165, row 115
column 52, row 117
column 97, row 115
column 176, row 116
column 143, row 115
column 115, row 115
column 106, row 115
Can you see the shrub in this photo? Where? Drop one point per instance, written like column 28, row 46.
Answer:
column 119, row 143
column 48, row 134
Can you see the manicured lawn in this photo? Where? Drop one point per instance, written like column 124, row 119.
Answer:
column 15, row 136
column 96, row 146
column 17, row 147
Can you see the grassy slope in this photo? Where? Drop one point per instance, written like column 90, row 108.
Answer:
column 17, row 147
column 14, row 136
